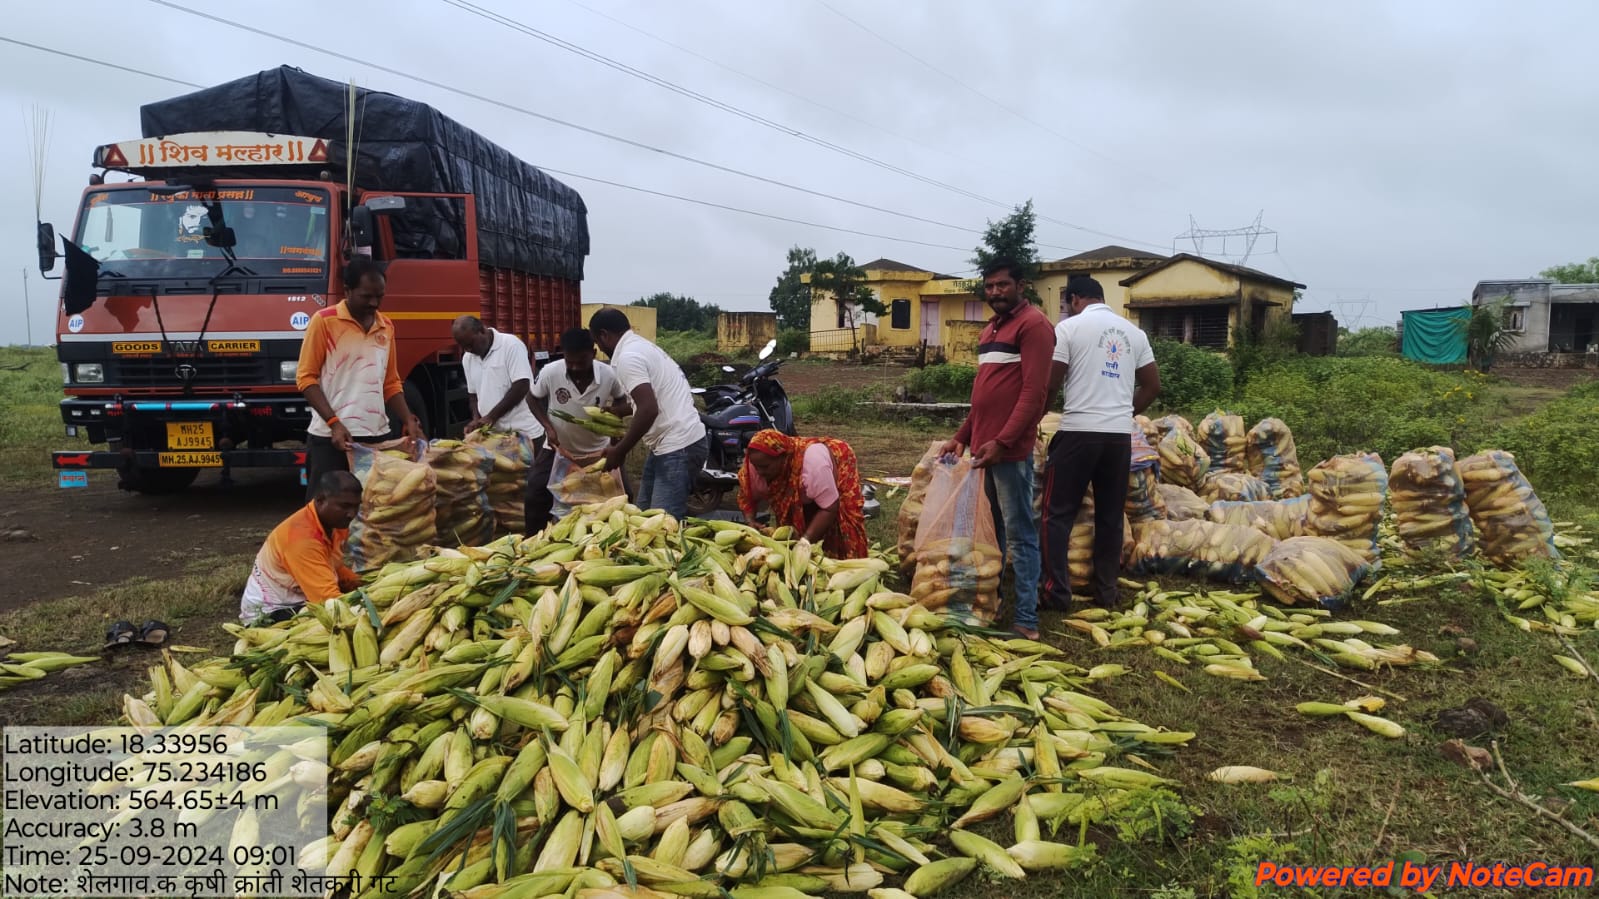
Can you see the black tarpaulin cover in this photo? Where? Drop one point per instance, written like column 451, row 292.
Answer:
column 526, row 220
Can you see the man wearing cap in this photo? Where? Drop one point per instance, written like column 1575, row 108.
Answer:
column 1109, row 372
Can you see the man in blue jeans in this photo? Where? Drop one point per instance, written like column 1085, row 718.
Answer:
column 1013, row 364
column 664, row 417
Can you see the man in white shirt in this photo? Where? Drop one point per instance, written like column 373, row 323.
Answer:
column 1109, row 372
column 664, row 416
column 498, row 378
column 569, row 384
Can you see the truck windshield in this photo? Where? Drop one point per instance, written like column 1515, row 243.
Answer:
column 159, row 232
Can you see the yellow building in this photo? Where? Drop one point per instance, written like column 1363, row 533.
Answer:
column 1108, row 265
column 1205, row 302
column 641, row 318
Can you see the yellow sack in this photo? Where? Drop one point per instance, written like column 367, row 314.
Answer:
column 1311, row 571
column 958, row 559
column 1274, row 459
column 1514, row 523
column 1199, row 548
column 1182, row 460
column 397, row 496
column 1429, row 502
column 1346, row 500
column 507, row 490
column 1227, row 485
column 461, row 503
column 1182, row 504
column 910, row 511
column 1278, row 519
column 1222, row 435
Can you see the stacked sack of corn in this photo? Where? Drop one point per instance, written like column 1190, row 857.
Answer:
column 1512, row 520
column 1182, row 504
column 1167, row 424
column 461, row 505
column 1182, row 460
column 1046, row 430
column 1346, row 497
column 1278, row 519
column 1080, row 549
column 397, row 505
column 1144, row 501
column 1223, row 438
column 1206, row 549
column 1152, row 434
column 1226, row 485
column 910, row 511
column 958, row 560
column 1311, row 571
column 513, row 456
column 1429, row 502
column 624, row 699
column 1269, row 446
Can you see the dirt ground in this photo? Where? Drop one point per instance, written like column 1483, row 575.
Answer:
column 65, row 542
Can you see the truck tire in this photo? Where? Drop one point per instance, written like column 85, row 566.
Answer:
column 419, row 408
column 158, row 481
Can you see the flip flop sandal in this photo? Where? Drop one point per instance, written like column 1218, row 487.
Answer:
column 154, row 633
column 120, row 634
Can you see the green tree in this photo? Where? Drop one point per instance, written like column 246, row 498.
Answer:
column 791, row 297
column 1486, row 336
column 1574, row 273
column 675, row 313
column 1011, row 237
column 846, row 282
column 1382, row 341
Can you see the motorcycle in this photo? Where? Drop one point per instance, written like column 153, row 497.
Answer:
column 733, row 414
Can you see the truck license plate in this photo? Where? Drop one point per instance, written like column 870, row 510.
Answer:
column 189, row 460
column 189, row 435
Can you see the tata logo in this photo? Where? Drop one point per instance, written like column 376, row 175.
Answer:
column 299, row 321
column 186, row 373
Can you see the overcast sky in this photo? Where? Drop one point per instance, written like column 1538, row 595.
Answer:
column 1401, row 150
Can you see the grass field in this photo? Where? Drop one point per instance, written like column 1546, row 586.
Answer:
column 1348, row 796
column 30, row 418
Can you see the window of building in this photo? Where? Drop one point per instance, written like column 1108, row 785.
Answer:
column 1515, row 319
column 899, row 313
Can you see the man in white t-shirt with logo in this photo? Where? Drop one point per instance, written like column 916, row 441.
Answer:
column 664, row 416
column 498, row 379
column 1109, row 372
column 568, row 385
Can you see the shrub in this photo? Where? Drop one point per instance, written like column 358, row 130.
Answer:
column 1557, row 447
column 793, row 341
column 1369, row 342
column 685, row 345
column 948, row 383
column 831, row 402
column 1191, row 379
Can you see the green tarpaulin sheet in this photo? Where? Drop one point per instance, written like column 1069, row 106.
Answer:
column 1435, row 336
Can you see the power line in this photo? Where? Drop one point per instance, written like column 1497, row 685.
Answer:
column 789, row 130
column 98, row 62
column 859, row 120
column 562, row 122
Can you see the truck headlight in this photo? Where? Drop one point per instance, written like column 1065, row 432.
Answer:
column 88, row 373
column 288, row 370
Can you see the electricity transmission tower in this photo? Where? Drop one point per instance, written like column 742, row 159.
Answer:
column 1234, row 245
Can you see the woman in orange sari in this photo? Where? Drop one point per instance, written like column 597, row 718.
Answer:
column 811, row 484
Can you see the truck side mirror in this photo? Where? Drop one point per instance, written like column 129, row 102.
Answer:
column 363, row 228
column 46, row 240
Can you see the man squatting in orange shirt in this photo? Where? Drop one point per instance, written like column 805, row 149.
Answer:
column 303, row 558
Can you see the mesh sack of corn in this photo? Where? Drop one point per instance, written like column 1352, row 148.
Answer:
column 1182, row 460
column 624, row 698
column 1144, row 502
column 397, row 504
column 910, row 511
column 1152, row 434
column 507, row 491
column 462, row 515
column 573, row 485
column 1181, row 504
column 1278, row 519
column 1311, row 571
column 1346, row 500
column 1080, row 550
column 1166, row 424
column 1429, row 502
column 1223, row 437
column 1046, row 431
column 1143, row 452
column 958, row 560
column 1273, row 458
column 1226, row 485
column 1512, row 520
column 1221, row 552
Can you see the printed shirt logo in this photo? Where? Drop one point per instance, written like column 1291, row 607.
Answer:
column 562, row 395
column 1114, row 343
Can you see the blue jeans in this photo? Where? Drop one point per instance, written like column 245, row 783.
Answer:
column 669, row 478
column 1010, row 490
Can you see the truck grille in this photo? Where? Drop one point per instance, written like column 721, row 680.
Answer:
column 207, row 372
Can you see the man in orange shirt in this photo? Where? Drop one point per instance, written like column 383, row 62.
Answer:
column 349, row 375
column 303, row 558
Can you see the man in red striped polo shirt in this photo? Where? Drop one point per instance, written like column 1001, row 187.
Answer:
column 1013, row 359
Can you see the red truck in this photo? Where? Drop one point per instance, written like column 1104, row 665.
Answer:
column 185, row 292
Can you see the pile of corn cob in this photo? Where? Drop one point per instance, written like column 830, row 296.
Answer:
column 1221, row 630
column 22, row 667
column 624, row 700
column 599, row 421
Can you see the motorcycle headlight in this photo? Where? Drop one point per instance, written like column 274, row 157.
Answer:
column 88, row 373
column 287, row 370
